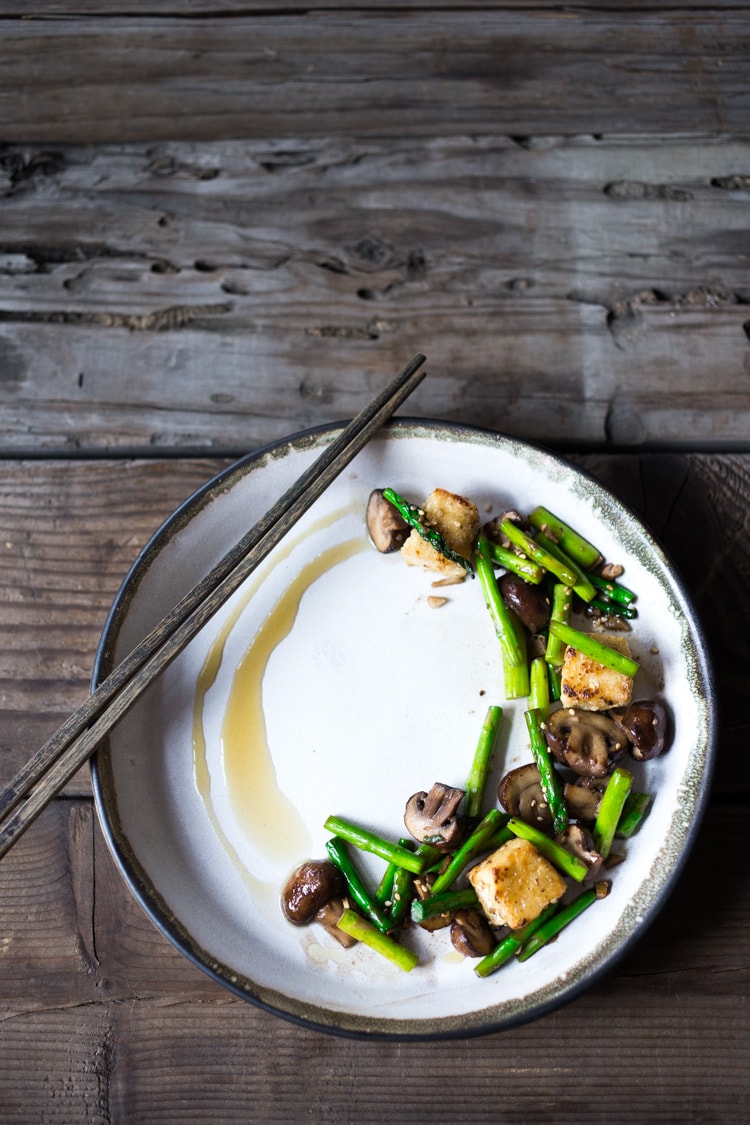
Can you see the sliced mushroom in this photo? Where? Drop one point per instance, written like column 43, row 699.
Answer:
column 579, row 842
column 646, row 723
column 386, row 526
column 530, row 602
column 520, row 793
column 432, row 818
column 423, row 890
column 471, row 934
column 583, row 798
column 588, row 741
column 328, row 916
column 309, row 888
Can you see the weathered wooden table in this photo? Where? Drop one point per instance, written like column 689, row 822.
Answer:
column 221, row 227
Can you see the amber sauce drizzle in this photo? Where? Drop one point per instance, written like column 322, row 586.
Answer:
column 267, row 817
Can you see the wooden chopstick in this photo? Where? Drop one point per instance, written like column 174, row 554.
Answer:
column 36, row 783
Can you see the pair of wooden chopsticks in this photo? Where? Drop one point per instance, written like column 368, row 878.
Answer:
column 72, row 744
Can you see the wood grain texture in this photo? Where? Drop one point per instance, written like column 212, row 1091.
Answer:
column 410, row 72
column 209, row 298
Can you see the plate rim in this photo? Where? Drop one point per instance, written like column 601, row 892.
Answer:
column 309, row 1015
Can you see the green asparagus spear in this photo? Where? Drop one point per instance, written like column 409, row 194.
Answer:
column 402, row 891
column 568, row 863
column 415, row 517
column 522, row 567
column 633, row 813
column 537, row 553
column 477, row 779
column 551, row 784
column 445, row 903
column 562, row 601
column 614, row 609
column 614, row 591
column 359, row 928
column 504, row 951
column 557, row 922
column 539, row 686
column 368, row 841
column 597, row 650
column 505, row 628
column 472, row 845
column 339, row 856
column 574, row 545
column 583, row 586
column 610, row 810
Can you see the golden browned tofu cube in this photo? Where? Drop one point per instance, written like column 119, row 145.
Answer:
column 457, row 520
column 515, row 884
column 588, row 684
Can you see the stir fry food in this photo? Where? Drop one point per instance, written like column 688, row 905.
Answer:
column 505, row 875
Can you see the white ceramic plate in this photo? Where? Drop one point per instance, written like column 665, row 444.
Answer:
column 329, row 685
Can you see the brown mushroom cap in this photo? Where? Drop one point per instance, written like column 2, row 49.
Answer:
column 471, row 934
column 583, row 797
column 646, row 723
column 310, row 887
column 520, row 793
column 530, row 602
column 386, row 526
column 589, row 742
column 328, row 916
column 432, row 818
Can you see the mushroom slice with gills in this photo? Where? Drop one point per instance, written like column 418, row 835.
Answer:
column 583, row 798
column 423, row 889
column 386, row 527
column 577, row 840
column 589, row 742
column 471, row 934
column 310, row 887
column 432, row 818
column 530, row 602
column 520, row 793
column 646, row 723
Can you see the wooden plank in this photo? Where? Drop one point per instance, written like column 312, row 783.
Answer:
column 406, row 73
column 242, row 287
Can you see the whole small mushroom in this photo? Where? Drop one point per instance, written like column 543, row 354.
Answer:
column 530, row 602
column 432, row 818
column 589, row 742
column 386, row 526
column 646, row 723
column 310, row 887
column 583, row 797
column 579, row 842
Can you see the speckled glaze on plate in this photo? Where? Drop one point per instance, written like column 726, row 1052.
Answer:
column 366, row 694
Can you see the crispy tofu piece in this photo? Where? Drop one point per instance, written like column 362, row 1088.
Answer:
column 588, row 684
column 457, row 520
column 515, row 884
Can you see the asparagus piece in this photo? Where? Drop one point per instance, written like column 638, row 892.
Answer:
column 537, row 553
column 574, row 545
column 633, row 813
column 562, row 601
column 568, row 863
column 368, row 841
column 504, row 951
column 551, row 784
column 339, row 856
column 359, row 928
column 539, row 686
column 477, row 779
column 472, row 845
column 516, row 676
column 553, row 925
column 522, row 567
column 415, row 517
column 610, row 810
column 614, row 591
column 445, row 903
column 402, row 891
column 597, row 650
column 614, row 608
column 512, row 649
column 385, row 886
column 583, row 586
